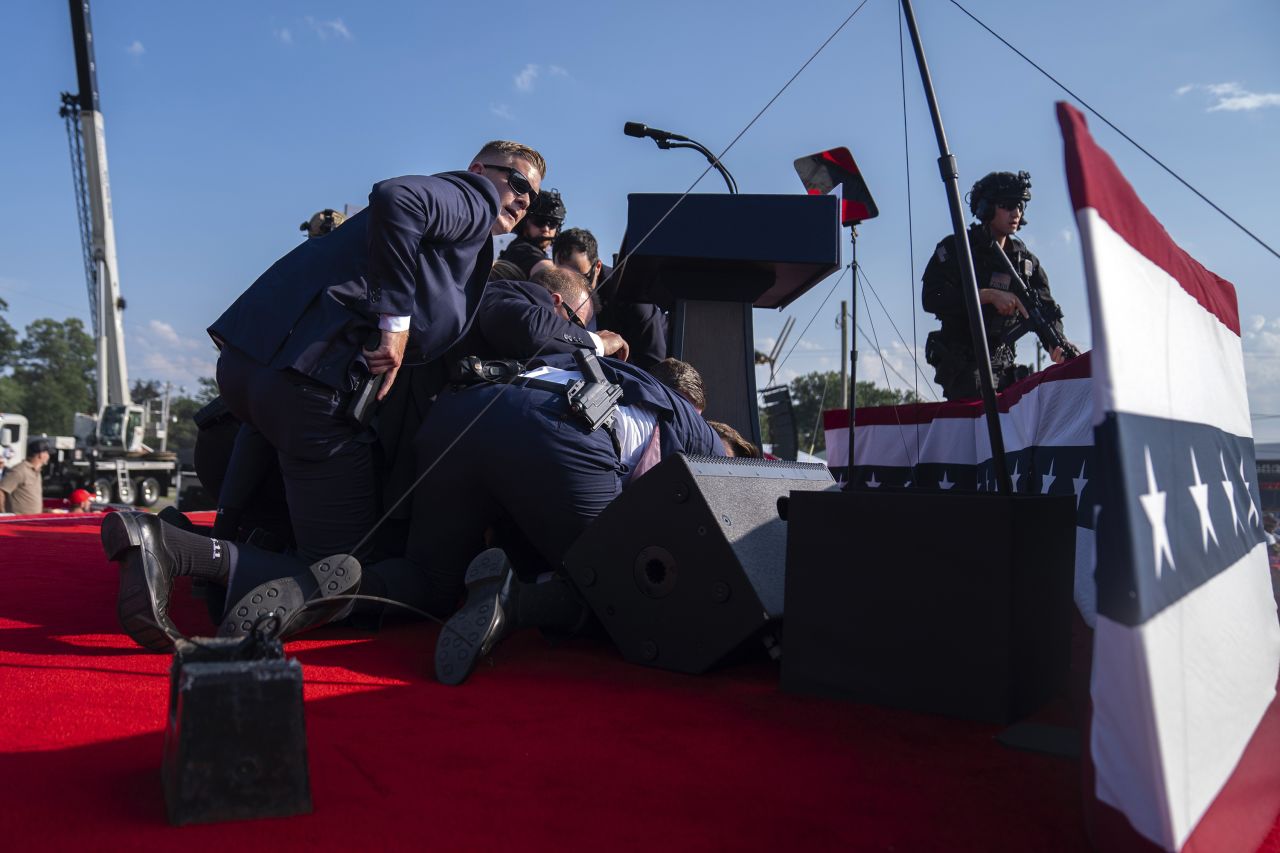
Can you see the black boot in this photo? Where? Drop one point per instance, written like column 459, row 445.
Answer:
column 135, row 541
column 338, row 575
column 486, row 618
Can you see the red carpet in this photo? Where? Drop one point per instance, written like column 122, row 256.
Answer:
column 548, row 748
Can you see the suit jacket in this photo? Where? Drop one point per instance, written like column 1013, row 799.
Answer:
column 683, row 430
column 641, row 324
column 421, row 249
column 518, row 319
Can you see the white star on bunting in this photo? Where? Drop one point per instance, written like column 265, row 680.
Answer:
column 1078, row 483
column 945, row 483
column 1046, row 482
column 1016, row 476
column 872, row 483
column 1230, row 488
column 1253, row 508
column 1200, row 494
column 1153, row 505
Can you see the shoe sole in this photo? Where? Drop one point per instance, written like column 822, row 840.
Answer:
column 135, row 607
column 333, row 576
column 461, row 643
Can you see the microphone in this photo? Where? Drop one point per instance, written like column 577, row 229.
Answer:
column 640, row 131
column 665, row 139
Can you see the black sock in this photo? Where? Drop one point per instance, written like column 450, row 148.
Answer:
column 198, row 556
column 551, row 604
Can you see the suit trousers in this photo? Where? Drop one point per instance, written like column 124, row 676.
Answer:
column 326, row 461
column 519, row 455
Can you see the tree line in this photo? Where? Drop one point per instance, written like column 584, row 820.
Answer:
column 813, row 393
column 47, row 375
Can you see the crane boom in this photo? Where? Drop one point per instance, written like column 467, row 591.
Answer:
column 104, row 283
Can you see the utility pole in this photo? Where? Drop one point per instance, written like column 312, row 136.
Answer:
column 844, row 354
column 163, row 431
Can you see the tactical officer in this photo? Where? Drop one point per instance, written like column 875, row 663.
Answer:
column 535, row 233
column 998, row 201
column 322, row 222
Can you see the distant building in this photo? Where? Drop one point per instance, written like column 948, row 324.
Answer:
column 1268, row 456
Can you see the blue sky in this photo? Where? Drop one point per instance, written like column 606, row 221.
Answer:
column 228, row 125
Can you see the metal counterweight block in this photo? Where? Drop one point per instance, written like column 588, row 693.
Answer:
column 235, row 744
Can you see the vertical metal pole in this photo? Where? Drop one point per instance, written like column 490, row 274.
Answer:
column 844, row 354
column 853, row 350
column 951, row 178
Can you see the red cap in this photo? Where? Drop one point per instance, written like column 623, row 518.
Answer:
column 79, row 496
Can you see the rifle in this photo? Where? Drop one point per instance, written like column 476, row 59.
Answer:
column 1040, row 317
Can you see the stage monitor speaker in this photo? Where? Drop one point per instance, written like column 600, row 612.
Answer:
column 956, row 604
column 688, row 562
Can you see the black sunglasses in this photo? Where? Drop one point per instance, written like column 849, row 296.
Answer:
column 545, row 222
column 1017, row 204
column 517, row 180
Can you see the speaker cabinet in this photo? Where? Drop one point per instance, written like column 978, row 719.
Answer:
column 688, row 562
column 956, row 604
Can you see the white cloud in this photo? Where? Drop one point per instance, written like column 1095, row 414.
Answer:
column 329, row 29
column 284, row 35
column 163, row 337
column 525, row 79
column 502, row 111
column 1232, row 97
column 895, row 360
column 557, row 71
column 183, row 371
column 1068, row 236
column 164, row 333
column 135, row 48
column 1260, row 340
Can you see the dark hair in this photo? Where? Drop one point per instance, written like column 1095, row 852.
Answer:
column 996, row 187
column 571, row 286
column 738, row 445
column 683, row 378
column 575, row 240
column 36, row 446
column 506, row 270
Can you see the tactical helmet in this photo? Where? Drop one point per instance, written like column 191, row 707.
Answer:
column 998, row 186
column 323, row 222
column 548, row 204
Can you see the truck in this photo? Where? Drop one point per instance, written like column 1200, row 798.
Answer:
column 106, row 452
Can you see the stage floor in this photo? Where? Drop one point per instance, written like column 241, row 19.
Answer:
column 563, row 747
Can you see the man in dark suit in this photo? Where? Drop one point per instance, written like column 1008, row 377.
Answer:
column 396, row 285
column 551, row 314
column 515, row 452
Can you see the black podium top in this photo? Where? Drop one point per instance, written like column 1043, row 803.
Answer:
column 762, row 249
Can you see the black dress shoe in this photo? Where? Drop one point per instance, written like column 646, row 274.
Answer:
column 482, row 622
column 134, row 540
column 286, row 597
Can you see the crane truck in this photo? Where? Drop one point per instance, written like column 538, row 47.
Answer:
column 107, row 453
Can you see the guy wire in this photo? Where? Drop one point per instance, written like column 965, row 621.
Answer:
column 617, row 271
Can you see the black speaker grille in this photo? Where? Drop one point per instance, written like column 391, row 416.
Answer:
column 761, row 469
